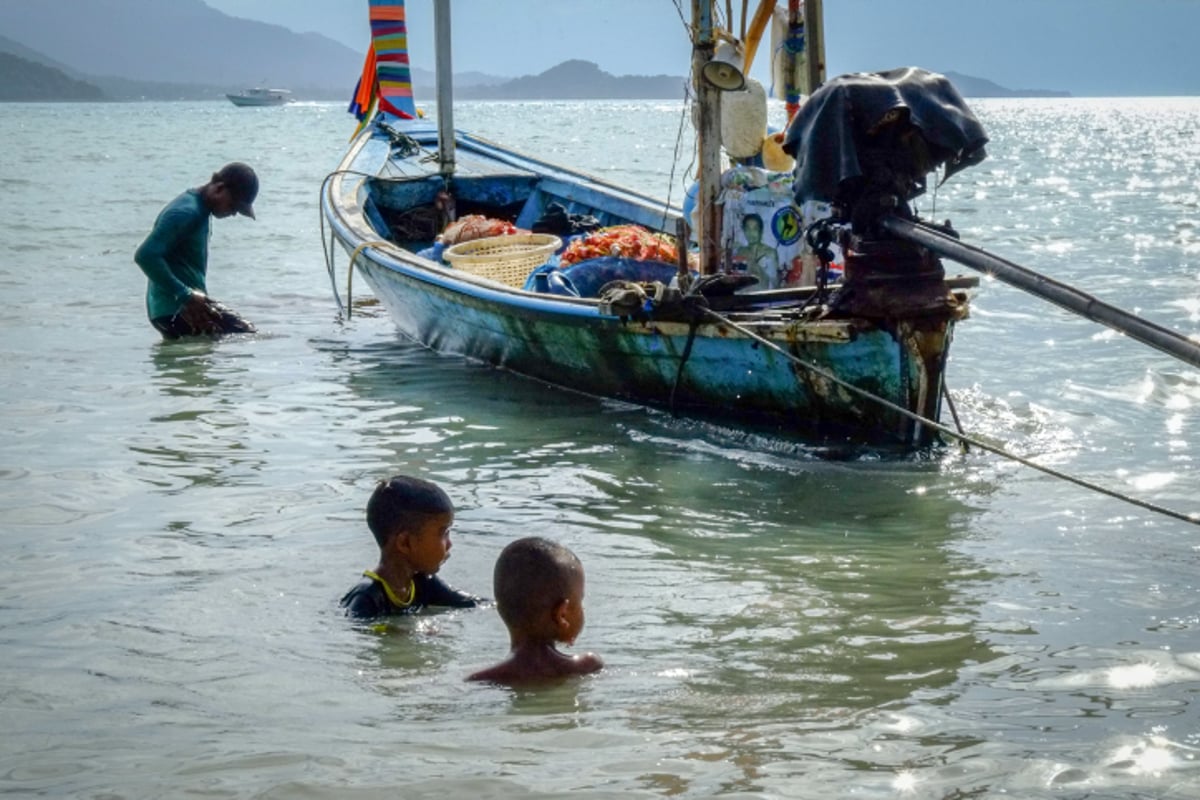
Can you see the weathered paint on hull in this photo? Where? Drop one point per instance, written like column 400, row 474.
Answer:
column 895, row 349
column 726, row 376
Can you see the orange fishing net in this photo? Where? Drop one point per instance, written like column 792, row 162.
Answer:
column 623, row 241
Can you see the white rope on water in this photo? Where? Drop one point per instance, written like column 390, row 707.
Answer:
column 1191, row 517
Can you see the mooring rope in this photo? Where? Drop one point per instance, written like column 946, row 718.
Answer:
column 1193, row 517
column 328, row 250
column 376, row 243
column 953, row 412
column 687, row 351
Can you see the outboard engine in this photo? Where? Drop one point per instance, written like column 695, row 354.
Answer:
column 864, row 144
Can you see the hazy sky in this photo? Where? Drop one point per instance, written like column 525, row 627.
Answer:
column 1087, row 47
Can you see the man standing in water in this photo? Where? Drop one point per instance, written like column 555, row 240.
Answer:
column 175, row 256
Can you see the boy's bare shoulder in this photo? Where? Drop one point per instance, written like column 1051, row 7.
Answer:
column 588, row 663
column 517, row 671
column 500, row 673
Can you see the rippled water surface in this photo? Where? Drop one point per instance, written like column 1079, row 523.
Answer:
column 178, row 520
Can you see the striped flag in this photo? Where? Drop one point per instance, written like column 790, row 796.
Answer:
column 386, row 79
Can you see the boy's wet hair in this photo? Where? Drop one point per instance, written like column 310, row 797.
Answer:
column 531, row 577
column 403, row 503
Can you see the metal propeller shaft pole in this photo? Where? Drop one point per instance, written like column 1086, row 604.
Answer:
column 1047, row 288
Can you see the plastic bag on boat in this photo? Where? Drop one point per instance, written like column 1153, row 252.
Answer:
column 864, row 134
column 549, row 279
column 557, row 221
column 433, row 252
column 589, row 276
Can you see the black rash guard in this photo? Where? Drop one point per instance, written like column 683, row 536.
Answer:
column 372, row 597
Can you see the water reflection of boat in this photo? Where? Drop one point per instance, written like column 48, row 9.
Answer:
column 259, row 96
column 700, row 334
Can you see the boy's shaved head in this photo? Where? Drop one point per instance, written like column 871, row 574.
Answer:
column 532, row 576
column 403, row 503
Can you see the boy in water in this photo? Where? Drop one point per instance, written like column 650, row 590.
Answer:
column 539, row 593
column 411, row 520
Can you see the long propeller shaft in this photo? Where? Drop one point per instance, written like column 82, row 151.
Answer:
column 1061, row 294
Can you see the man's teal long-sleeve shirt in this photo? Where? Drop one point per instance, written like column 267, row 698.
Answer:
column 175, row 254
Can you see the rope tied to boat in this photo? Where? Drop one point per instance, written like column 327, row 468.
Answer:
column 403, row 145
column 328, row 245
column 625, row 299
column 1190, row 517
column 350, row 271
column 656, row 300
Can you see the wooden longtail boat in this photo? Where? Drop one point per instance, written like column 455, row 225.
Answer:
column 858, row 359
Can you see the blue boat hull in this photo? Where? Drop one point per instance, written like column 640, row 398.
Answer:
column 572, row 343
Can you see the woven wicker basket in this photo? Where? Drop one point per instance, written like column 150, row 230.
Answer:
column 507, row 259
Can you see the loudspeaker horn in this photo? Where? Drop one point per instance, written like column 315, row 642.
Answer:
column 724, row 76
column 724, row 71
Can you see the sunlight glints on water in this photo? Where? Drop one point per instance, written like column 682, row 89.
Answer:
column 1153, row 757
column 905, row 782
column 1133, row 676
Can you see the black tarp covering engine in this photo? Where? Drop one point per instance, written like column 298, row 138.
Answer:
column 866, row 141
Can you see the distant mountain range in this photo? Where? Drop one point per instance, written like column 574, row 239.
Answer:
column 576, row 80
column 25, row 80
column 169, row 43
column 980, row 87
column 133, row 50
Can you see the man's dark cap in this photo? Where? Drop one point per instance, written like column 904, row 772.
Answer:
column 242, row 183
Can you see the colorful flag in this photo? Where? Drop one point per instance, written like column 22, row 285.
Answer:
column 389, row 37
column 386, row 80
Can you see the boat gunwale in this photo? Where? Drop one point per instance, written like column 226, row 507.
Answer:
column 349, row 225
column 357, row 236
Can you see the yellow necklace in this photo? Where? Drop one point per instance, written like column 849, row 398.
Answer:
column 412, row 590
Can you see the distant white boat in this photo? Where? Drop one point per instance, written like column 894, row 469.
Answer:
column 260, row 97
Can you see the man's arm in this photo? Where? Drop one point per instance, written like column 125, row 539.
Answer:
column 151, row 256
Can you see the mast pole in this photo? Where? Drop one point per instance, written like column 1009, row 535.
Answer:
column 814, row 35
column 794, row 49
column 445, row 87
column 708, row 136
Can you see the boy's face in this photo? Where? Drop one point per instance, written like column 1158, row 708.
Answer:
column 428, row 547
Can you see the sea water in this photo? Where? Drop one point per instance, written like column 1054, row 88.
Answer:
column 179, row 520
